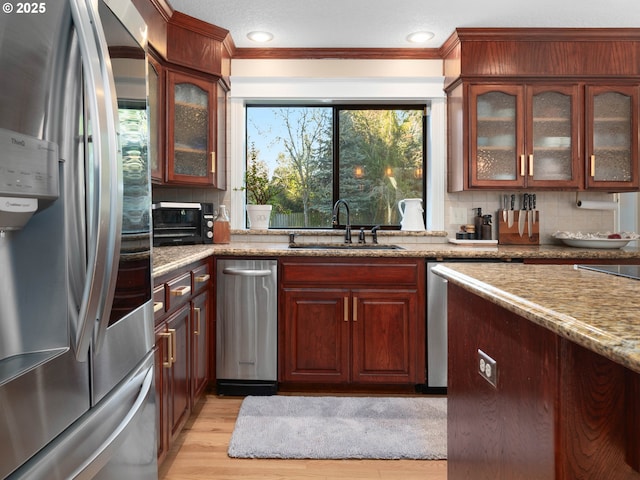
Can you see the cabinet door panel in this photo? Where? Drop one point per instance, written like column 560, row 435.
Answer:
column 200, row 331
column 156, row 123
column 384, row 333
column 553, row 136
column 315, row 336
column 178, row 327
column 496, row 145
column 612, row 137
column 162, row 365
column 192, row 130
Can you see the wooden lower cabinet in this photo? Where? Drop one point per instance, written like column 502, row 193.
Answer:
column 362, row 322
column 558, row 411
column 384, row 336
column 172, row 376
column 184, row 338
column 201, row 330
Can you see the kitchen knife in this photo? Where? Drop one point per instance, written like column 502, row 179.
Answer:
column 522, row 215
column 505, row 207
column 533, row 206
column 530, row 216
column 510, row 212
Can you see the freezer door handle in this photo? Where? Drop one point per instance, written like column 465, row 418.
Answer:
column 104, row 210
column 81, row 453
column 246, row 273
column 102, row 455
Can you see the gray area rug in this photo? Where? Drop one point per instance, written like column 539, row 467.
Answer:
column 341, row 427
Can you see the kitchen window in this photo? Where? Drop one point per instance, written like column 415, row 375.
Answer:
column 372, row 156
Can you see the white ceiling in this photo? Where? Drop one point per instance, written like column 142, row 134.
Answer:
column 386, row 23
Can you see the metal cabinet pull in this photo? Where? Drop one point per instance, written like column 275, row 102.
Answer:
column 593, row 165
column 346, row 309
column 522, row 165
column 180, row 291
column 531, row 165
column 174, row 344
column 355, row 309
column 213, row 162
column 202, row 278
column 197, row 312
column 168, row 362
column 157, row 306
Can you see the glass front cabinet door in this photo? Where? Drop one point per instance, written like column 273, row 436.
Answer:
column 524, row 136
column 191, row 145
column 552, row 158
column 612, row 137
column 497, row 135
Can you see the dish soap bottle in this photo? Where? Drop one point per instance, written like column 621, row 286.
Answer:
column 221, row 227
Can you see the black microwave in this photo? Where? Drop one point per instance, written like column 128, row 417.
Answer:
column 177, row 223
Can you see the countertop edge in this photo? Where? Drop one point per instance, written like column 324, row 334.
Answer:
column 166, row 259
column 596, row 340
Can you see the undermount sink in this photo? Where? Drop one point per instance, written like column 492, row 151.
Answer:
column 346, row 246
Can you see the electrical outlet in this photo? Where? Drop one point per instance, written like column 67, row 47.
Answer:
column 488, row 368
column 458, row 216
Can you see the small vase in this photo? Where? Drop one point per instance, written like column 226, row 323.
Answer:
column 259, row 216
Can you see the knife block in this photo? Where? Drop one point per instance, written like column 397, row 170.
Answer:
column 510, row 236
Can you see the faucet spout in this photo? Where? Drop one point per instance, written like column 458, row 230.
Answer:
column 336, row 209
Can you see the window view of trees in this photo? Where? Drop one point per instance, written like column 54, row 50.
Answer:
column 376, row 159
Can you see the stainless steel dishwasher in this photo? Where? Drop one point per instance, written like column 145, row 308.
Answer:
column 246, row 327
column 437, row 349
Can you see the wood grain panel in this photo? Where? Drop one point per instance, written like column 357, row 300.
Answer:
column 540, row 53
column 156, row 14
column 335, row 271
column 342, row 53
column 505, row 432
column 594, row 414
column 314, row 335
column 199, row 45
column 383, row 337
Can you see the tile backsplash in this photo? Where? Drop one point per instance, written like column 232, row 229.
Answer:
column 558, row 211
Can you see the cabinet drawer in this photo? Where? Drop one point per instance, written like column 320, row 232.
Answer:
column 344, row 272
column 159, row 301
column 201, row 277
column 178, row 291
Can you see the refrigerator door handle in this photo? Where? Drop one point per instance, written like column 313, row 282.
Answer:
column 105, row 451
column 104, row 209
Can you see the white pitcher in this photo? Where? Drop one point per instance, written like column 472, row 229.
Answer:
column 411, row 212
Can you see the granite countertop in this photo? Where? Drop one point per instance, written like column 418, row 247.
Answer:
column 595, row 310
column 166, row 259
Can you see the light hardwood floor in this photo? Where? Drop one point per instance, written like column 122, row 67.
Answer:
column 201, row 453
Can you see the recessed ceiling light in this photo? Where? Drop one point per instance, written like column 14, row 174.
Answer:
column 420, row 37
column 260, row 37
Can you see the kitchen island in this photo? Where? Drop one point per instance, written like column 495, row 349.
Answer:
column 544, row 373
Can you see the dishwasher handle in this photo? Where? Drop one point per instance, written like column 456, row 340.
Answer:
column 246, row 273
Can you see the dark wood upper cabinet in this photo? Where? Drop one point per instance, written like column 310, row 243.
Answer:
column 553, row 109
column 189, row 70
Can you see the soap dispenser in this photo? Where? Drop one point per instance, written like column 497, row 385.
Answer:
column 477, row 220
column 486, row 227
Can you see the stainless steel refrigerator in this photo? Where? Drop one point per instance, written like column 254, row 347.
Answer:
column 76, row 322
